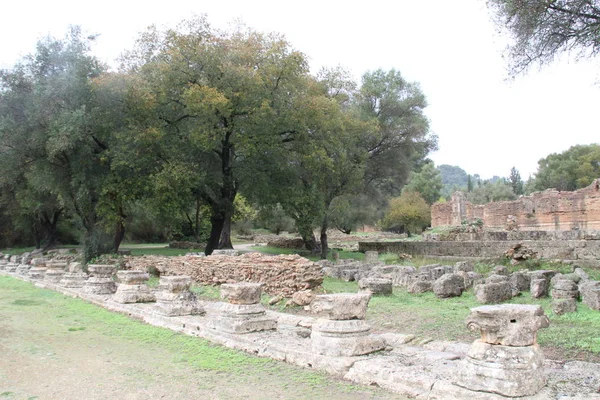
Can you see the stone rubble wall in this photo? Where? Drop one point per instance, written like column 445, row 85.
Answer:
column 585, row 252
column 544, row 211
column 281, row 275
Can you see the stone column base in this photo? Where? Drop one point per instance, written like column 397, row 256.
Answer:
column 37, row 273
column 53, row 275
column 243, row 318
column 505, row 370
column 95, row 285
column 133, row 294
column 344, row 338
column 73, row 280
column 177, row 304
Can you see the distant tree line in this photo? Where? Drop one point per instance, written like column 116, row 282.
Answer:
column 197, row 130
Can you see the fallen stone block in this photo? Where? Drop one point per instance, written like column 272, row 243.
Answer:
column 449, row 285
column 492, row 293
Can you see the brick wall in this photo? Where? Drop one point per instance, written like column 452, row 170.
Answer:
column 547, row 210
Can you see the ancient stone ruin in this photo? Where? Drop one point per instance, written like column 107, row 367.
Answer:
column 341, row 330
column 550, row 210
column 243, row 312
column 100, row 280
column 132, row 288
column 506, row 360
column 174, row 297
column 335, row 338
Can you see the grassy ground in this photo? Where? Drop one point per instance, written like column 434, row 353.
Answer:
column 57, row 347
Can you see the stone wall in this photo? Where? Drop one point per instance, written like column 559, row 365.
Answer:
column 585, row 252
column 280, row 275
column 543, row 211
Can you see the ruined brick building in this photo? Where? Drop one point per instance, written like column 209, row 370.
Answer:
column 550, row 210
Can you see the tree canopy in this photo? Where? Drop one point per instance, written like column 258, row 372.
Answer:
column 543, row 29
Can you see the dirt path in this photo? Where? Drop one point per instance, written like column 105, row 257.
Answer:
column 53, row 347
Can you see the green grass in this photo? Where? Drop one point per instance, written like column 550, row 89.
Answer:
column 165, row 251
column 79, row 315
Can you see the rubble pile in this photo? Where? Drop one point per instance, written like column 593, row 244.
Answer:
column 281, row 275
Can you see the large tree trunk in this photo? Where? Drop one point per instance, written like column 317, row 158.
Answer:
column 217, row 220
column 225, row 240
column 324, row 243
column 51, row 227
column 119, row 230
column 308, row 236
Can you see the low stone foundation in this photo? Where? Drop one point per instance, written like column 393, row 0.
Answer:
column 583, row 252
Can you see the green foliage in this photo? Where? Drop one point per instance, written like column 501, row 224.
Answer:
column 516, row 183
column 274, row 218
column 409, row 211
column 349, row 212
column 541, row 29
column 488, row 192
column 570, row 170
column 427, row 182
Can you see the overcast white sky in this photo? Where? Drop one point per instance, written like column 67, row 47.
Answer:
column 485, row 123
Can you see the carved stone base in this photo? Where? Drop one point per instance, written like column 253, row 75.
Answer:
column 37, row 273
column 344, row 338
column 73, row 280
column 95, row 285
column 505, row 370
column 243, row 318
column 133, row 294
column 23, row 269
column 11, row 267
column 177, row 304
column 54, row 275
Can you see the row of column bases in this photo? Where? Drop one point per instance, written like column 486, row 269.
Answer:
column 506, row 360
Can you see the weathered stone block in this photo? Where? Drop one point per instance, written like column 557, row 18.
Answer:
column 381, row 286
column 464, row 266
column 11, row 267
column 344, row 338
column 508, row 324
column 23, row 269
column 581, row 273
column 505, row 370
column 341, row 306
column 243, row 318
column 175, row 284
column 132, row 277
column 493, row 278
column 132, row 288
column 241, row 293
column 37, row 273
column 53, row 275
column 563, row 306
column 492, row 293
column 565, row 289
column 520, row 281
column 539, row 288
column 418, row 286
column 348, row 275
column 591, row 297
column 100, row 281
column 177, row 304
column 449, row 285
column 73, row 279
